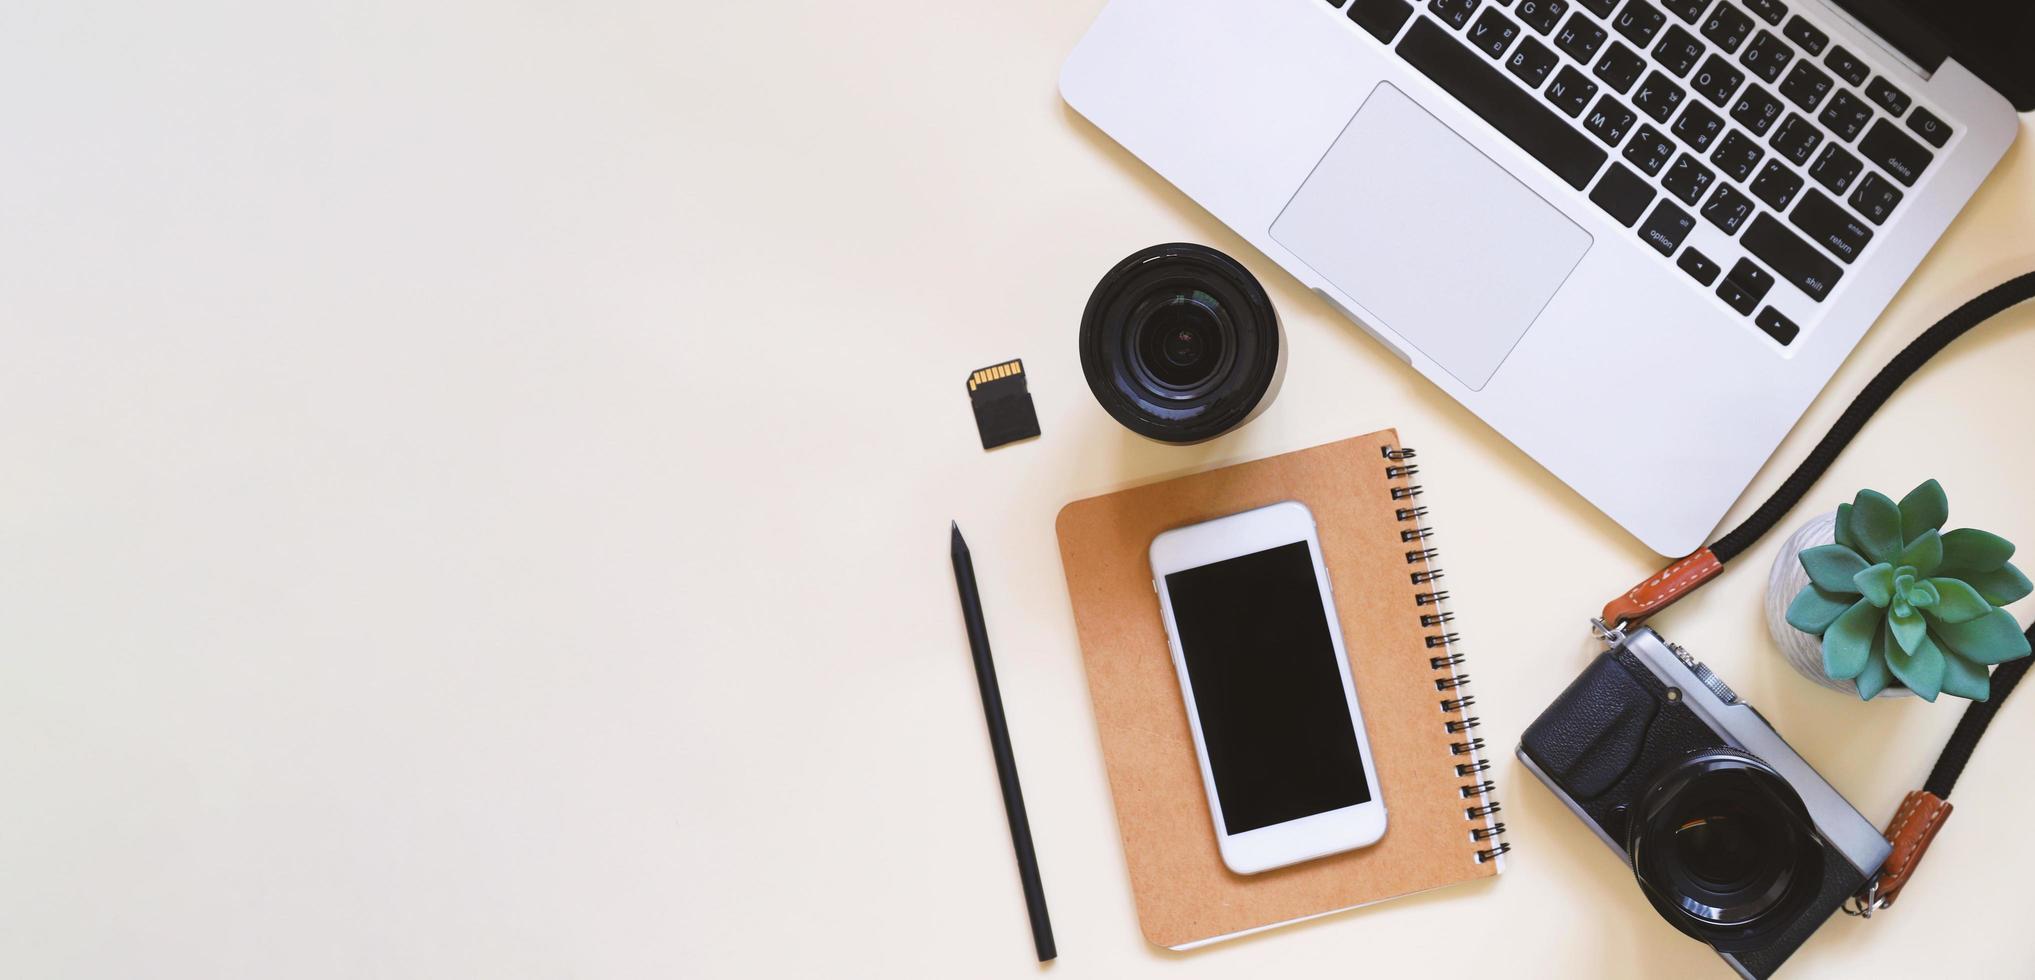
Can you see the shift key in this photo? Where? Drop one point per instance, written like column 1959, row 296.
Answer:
column 1791, row 258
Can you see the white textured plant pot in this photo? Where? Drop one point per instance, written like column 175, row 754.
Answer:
column 1802, row 651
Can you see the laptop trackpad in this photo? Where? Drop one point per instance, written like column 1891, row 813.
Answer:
column 1433, row 238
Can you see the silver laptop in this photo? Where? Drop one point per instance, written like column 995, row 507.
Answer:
column 1635, row 236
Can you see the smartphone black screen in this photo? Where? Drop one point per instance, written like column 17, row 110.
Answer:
column 1266, row 689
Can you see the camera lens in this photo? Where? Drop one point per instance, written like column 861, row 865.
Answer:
column 1725, row 850
column 1180, row 344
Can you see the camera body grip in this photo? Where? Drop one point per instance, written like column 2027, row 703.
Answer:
column 1607, row 734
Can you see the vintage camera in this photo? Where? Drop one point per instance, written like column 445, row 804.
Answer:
column 1734, row 839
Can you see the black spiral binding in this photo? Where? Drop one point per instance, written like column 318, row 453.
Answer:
column 1455, row 702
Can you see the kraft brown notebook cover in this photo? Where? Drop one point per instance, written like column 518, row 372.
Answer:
column 1431, row 778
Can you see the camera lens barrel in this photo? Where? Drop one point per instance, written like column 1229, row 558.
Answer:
column 1180, row 343
column 1725, row 849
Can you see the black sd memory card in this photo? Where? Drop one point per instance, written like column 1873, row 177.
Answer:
column 1003, row 404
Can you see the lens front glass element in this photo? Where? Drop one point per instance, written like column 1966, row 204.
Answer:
column 1732, row 851
column 1183, row 339
column 1721, row 848
column 1726, row 850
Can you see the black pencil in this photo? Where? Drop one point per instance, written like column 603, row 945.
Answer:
column 999, row 742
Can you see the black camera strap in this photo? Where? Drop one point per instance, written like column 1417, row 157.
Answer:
column 1922, row 813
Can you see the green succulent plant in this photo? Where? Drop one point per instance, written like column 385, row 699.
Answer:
column 1898, row 599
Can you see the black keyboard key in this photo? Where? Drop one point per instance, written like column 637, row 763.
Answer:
column 1658, row 96
column 1835, row 169
column 1382, row 19
column 1531, row 61
column 1698, row 126
column 1926, row 125
column 1601, row 8
column 1796, row 138
column 1619, row 67
column 1638, row 20
column 1678, row 51
column 1580, row 38
column 1777, row 326
column 1875, row 198
column 1737, row 297
column 1829, row 225
column 1698, row 266
column 1570, row 91
column 1846, row 65
column 1737, row 154
column 1754, row 279
column 1805, row 86
column 1793, row 259
column 1687, row 10
column 1541, row 15
column 1492, row 33
column 1609, row 121
column 1716, row 80
column 1727, row 27
column 1846, row 115
column 1649, row 150
column 1767, row 56
column 1509, row 109
column 1776, row 185
column 1770, row 11
column 1622, row 194
column 1756, row 109
column 1890, row 98
column 1455, row 13
column 1687, row 179
column 1889, row 148
column 1666, row 227
column 1805, row 35
column 1727, row 209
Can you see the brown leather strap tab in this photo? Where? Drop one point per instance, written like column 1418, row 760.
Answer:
column 1656, row 593
column 1915, row 824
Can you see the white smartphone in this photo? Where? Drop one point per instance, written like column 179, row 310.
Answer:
column 1252, row 623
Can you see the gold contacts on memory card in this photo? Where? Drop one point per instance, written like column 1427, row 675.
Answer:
column 1003, row 404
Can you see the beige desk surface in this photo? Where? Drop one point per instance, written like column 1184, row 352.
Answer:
column 476, row 491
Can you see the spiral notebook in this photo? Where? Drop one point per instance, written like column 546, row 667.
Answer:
column 1433, row 773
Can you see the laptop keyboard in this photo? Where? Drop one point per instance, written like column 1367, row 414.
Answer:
column 1728, row 112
